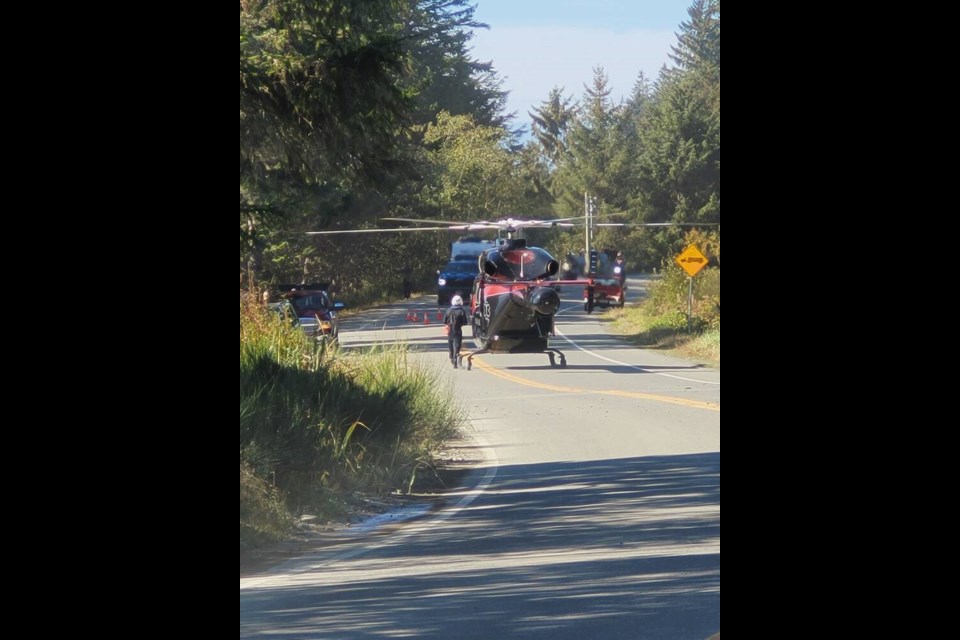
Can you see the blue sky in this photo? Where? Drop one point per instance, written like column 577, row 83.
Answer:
column 538, row 44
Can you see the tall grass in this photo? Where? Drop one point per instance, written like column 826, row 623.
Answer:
column 315, row 423
column 661, row 320
column 263, row 515
column 704, row 346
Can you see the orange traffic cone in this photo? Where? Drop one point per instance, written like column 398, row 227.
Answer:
column 426, row 318
column 439, row 316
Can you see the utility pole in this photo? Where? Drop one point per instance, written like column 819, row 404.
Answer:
column 588, row 227
column 587, row 271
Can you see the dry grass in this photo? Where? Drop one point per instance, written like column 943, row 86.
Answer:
column 667, row 334
column 704, row 347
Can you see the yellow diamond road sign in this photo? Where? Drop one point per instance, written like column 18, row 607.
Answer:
column 692, row 260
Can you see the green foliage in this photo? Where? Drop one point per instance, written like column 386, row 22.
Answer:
column 534, row 175
column 655, row 158
column 668, row 297
column 313, row 422
column 443, row 75
column 678, row 173
column 591, row 144
column 335, row 99
column 661, row 320
column 662, row 317
column 706, row 345
column 265, row 335
column 319, row 87
column 473, row 173
column 321, row 108
column 263, row 515
column 698, row 45
column 550, row 123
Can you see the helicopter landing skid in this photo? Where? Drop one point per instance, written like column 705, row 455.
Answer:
column 563, row 358
column 470, row 357
column 550, row 354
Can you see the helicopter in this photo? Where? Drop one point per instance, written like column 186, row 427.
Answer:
column 515, row 300
column 515, row 295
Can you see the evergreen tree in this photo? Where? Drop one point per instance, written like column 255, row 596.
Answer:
column 443, row 74
column 698, row 43
column 335, row 96
column 591, row 144
column 639, row 97
column 550, row 123
column 678, row 173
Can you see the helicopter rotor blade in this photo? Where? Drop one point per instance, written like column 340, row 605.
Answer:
column 505, row 223
column 328, row 233
column 657, row 224
column 425, row 221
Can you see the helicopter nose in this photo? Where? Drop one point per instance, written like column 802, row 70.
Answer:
column 545, row 301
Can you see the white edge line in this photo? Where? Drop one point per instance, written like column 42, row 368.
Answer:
column 624, row 364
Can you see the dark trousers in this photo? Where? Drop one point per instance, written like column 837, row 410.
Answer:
column 454, row 340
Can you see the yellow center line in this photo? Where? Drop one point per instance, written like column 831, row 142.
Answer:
column 696, row 404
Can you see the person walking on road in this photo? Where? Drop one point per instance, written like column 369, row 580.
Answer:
column 454, row 319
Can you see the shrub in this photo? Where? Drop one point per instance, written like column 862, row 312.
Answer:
column 668, row 297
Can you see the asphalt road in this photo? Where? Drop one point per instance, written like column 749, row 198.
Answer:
column 593, row 510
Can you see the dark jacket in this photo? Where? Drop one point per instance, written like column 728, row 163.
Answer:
column 455, row 318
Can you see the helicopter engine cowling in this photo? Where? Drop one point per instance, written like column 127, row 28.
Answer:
column 514, row 260
column 544, row 300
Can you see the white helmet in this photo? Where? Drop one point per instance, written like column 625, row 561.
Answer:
column 456, row 301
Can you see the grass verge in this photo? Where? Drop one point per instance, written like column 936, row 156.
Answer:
column 319, row 426
column 660, row 321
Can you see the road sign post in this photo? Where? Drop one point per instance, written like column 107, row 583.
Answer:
column 691, row 261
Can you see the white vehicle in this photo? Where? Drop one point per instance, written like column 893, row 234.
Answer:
column 469, row 248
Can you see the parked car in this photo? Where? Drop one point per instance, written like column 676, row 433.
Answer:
column 316, row 312
column 456, row 278
column 285, row 311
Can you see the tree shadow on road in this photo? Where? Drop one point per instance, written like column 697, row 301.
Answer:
column 596, row 549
